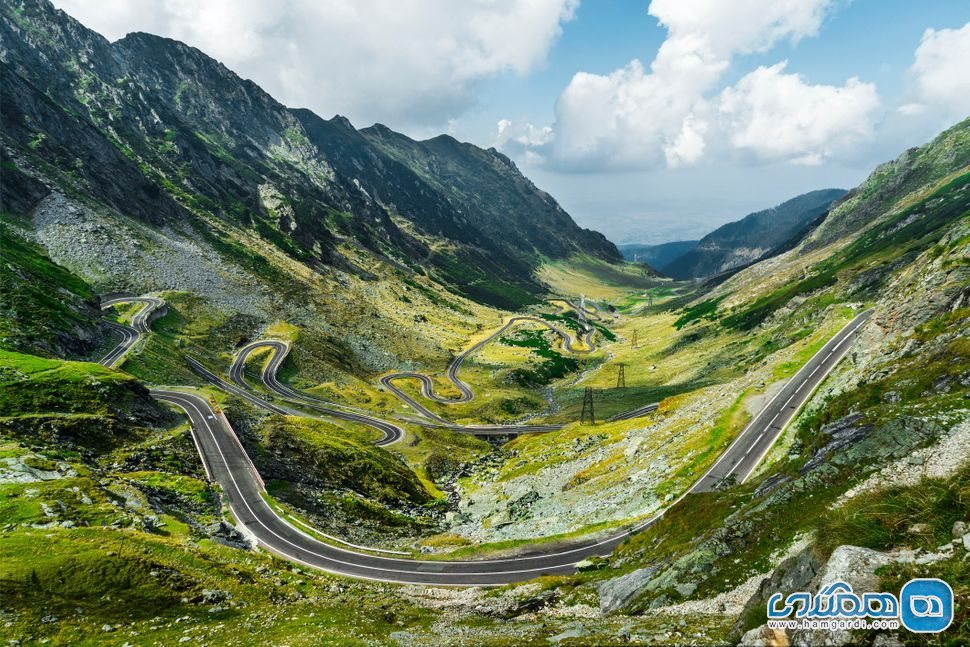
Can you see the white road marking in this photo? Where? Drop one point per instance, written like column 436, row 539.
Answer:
column 330, row 559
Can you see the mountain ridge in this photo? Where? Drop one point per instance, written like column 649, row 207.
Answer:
column 216, row 143
column 112, row 528
column 753, row 237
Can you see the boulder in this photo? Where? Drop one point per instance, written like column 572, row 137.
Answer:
column 764, row 637
column 792, row 574
column 616, row 592
column 959, row 529
column 589, row 565
column 855, row 566
column 214, row 596
column 532, row 603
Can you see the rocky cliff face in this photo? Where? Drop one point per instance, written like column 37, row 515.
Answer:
column 163, row 133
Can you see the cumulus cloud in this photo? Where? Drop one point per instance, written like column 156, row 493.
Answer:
column 942, row 84
column 636, row 117
column 411, row 62
column 778, row 116
column 689, row 145
column 523, row 134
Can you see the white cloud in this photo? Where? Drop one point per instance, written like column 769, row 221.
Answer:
column 523, row 135
column 689, row 145
column 940, row 72
column 409, row 61
column 778, row 116
column 636, row 117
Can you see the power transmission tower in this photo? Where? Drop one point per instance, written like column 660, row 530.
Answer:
column 587, row 413
column 621, row 377
column 633, row 344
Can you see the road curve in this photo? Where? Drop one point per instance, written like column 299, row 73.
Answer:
column 129, row 334
column 227, row 462
column 393, row 433
column 237, row 373
column 141, row 321
column 594, row 313
column 635, row 413
column 427, row 386
column 737, row 463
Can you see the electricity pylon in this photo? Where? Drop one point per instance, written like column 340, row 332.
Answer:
column 587, row 414
column 633, row 344
column 621, row 377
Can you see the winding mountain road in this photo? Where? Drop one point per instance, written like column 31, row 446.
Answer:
column 427, row 386
column 393, row 433
column 130, row 334
column 237, row 373
column 227, row 463
column 593, row 312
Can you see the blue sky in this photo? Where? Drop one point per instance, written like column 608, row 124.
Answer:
column 730, row 107
column 873, row 40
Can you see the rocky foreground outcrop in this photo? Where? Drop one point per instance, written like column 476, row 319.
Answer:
column 851, row 564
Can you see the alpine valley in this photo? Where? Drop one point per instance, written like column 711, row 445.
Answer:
column 267, row 378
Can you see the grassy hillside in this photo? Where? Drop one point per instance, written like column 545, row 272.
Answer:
column 371, row 253
column 76, row 405
column 338, row 459
column 865, row 266
column 33, row 316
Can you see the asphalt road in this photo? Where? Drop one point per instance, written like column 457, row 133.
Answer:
column 636, row 413
column 227, row 462
column 466, row 393
column 128, row 338
column 237, row 373
column 129, row 334
column 392, row 432
column 739, row 460
column 140, row 321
